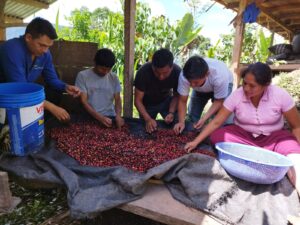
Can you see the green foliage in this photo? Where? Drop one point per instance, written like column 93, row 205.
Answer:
column 197, row 7
column 57, row 21
column 211, row 52
column 185, row 32
column 255, row 46
column 107, row 29
column 263, row 45
column 291, row 83
column 36, row 205
column 151, row 34
column 223, row 51
column 249, row 44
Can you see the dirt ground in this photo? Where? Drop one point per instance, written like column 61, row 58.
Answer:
column 110, row 217
column 120, row 217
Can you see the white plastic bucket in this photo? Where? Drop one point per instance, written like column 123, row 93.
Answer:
column 22, row 110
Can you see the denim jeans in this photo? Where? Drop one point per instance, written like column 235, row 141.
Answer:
column 198, row 101
column 162, row 108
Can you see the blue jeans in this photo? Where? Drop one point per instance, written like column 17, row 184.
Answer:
column 162, row 108
column 198, row 101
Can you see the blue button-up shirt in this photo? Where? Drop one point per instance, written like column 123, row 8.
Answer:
column 16, row 65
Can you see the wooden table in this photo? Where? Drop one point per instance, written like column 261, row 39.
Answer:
column 285, row 67
column 159, row 205
column 279, row 68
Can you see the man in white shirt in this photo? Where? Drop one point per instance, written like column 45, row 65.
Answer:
column 210, row 79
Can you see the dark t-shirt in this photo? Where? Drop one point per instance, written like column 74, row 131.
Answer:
column 156, row 91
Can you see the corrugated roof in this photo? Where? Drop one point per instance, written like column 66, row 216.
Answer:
column 279, row 16
column 20, row 9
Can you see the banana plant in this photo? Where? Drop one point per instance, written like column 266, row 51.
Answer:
column 185, row 32
column 263, row 44
column 211, row 52
column 57, row 21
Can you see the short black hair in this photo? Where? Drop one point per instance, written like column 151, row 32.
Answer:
column 195, row 68
column 262, row 73
column 39, row 27
column 105, row 57
column 162, row 57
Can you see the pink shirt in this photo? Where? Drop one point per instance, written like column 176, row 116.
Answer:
column 264, row 119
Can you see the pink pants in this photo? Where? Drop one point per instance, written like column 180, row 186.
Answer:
column 281, row 141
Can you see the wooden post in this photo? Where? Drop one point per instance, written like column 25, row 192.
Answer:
column 6, row 200
column 130, row 7
column 2, row 21
column 238, row 41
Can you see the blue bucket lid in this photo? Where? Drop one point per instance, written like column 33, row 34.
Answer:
column 20, row 94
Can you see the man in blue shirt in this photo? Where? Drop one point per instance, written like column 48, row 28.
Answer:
column 25, row 58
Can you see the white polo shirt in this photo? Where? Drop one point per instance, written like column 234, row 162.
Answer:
column 218, row 80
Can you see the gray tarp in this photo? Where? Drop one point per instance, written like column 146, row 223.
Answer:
column 196, row 180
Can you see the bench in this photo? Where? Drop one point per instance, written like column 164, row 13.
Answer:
column 158, row 204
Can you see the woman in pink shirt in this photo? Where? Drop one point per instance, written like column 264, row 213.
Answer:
column 258, row 108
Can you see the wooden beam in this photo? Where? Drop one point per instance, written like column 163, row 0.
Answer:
column 291, row 16
column 233, row 5
column 11, row 19
column 280, row 68
column 6, row 25
column 296, row 25
column 266, row 13
column 33, row 3
column 130, row 7
column 2, row 20
column 285, row 67
column 238, row 41
column 229, row 5
column 6, row 200
column 285, row 7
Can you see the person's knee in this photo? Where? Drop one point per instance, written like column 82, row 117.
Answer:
column 217, row 136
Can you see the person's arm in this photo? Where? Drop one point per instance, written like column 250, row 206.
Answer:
column 181, row 109
column 172, row 109
column 101, row 118
column 151, row 124
column 293, row 118
column 220, row 118
column 118, row 109
column 213, row 109
column 59, row 113
column 73, row 90
column 294, row 172
column 50, row 76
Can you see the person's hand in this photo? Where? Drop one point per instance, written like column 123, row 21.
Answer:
column 169, row 118
column 61, row 114
column 73, row 90
column 178, row 128
column 292, row 175
column 151, row 125
column 105, row 121
column 190, row 146
column 199, row 124
column 119, row 121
